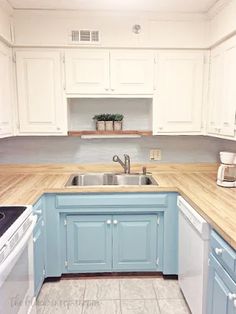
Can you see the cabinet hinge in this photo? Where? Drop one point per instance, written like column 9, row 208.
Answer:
column 66, row 264
column 65, row 222
column 63, row 58
column 155, row 60
column 158, row 220
column 157, row 261
column 14, row 58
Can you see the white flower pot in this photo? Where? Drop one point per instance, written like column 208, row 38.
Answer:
column 109, row 125
column 118, row 125
column 100, row 125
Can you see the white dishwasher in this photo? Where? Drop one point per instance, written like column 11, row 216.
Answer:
column 194, row 234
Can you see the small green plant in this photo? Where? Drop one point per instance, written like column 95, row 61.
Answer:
column 118, row 117
column 108, row 117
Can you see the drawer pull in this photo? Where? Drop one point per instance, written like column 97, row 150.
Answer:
column 232, row 296
column 115, row 222
column 218, row 251
column 108, row 222
column 38, row 212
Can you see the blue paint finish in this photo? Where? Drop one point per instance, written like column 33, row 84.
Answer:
column 170, row 250
column 135, row 239
column 39, row 246
column 228, row 256
column 219, row 286
column 59, row 247
column 53, row 261
column 89, row 243
column 155, row 200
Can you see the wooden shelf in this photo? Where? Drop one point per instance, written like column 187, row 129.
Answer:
column 97, row 134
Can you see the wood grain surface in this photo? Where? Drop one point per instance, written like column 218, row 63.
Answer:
column 24, row 184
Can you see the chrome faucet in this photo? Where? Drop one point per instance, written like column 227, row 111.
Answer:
column 125, row 165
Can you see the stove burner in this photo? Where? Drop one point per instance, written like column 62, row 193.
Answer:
column 2, row 216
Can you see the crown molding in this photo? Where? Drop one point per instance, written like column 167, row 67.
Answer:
column 217, row 8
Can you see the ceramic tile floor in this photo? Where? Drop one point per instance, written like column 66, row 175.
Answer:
column 112, row 296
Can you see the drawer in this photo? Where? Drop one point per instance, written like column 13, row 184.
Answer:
column 223, row 252
column 135, row 200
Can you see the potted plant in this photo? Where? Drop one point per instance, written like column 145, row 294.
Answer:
column 108, row 122
column 118, row 121
column 100, row 122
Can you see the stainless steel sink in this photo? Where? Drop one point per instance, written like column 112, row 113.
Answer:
column 98, row 179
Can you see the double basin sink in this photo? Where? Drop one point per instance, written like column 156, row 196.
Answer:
column 101, row 179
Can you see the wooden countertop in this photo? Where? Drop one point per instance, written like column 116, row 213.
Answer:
column 24, row 184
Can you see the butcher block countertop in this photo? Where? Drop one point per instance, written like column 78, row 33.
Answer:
column 24, row 184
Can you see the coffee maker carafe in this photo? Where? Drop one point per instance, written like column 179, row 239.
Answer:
column 226, row 175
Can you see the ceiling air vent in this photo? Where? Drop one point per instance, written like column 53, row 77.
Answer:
column 85, row 36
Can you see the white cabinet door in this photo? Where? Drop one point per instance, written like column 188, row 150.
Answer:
column 5, row 91
column 40, row 92
column 222, row 97
column 228, row 111
column 178, row 99
column 87, row 72
column 132, row 72
column 215, row 92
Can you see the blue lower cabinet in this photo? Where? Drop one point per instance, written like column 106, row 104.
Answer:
column 113, row 243
column 135, row 241
column 39, row 260
column 89, row 243
column 221, row 290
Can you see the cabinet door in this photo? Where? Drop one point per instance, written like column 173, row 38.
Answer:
column 215, row 94
column 132, row 72
column 89, row 241
column 5, row 92
column 39, row 261
column 222, row 97
column 135, row 241
column 220, row 289
column 179, row 96
column 39, row 85
column 87, row 72
column 228, row 104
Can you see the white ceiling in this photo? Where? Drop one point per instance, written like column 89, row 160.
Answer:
column 134, row 5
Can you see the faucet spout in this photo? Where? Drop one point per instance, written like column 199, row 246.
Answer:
column 125, row 165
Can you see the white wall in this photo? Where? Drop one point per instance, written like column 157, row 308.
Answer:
column 5, row 21
column 75, row 150
column 51, row 28
column 137, row 112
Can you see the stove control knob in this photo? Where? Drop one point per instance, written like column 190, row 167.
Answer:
column 218, row 251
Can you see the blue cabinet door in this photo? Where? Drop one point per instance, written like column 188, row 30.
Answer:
column 39, row 264
column 220, row 289
column 135, row 242
column 89, row 243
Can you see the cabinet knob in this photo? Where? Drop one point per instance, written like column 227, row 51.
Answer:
column 160, row 127
column 106, row 89
column 115, row 222
column 232, row 296
column 58, row 129
column 108, row 222
column 112, row 89
column 218, row 251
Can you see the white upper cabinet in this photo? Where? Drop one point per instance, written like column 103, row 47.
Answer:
column 132, row 72
column 104, row 72
column 87, row 72
column 5, row 91
column 40, row 93
column 178, row 98
column 222, row 95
